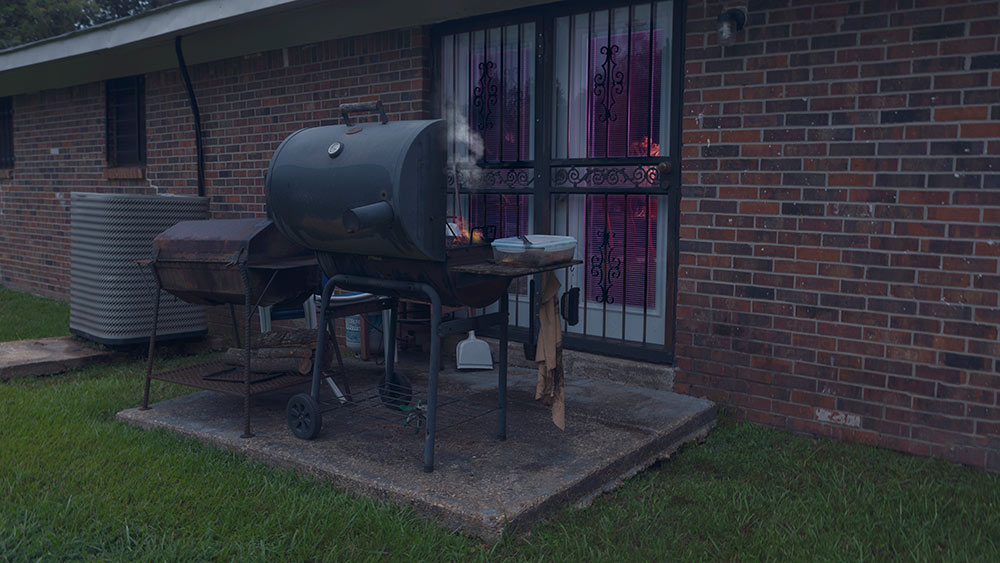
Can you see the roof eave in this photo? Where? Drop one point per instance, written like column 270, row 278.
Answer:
column 214, row 30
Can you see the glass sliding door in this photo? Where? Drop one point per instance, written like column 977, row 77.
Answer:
column 565, row 120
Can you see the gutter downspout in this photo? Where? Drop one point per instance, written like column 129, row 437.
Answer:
column 197, row 116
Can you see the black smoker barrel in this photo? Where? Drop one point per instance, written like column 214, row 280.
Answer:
column 375, row 178
column 370, row 200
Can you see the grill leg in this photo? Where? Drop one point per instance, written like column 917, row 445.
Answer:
column 236, row 328
column 390, row 343
column 432, row 385
column 245, row 275
column 531, row 343
column 152, row 349
column 344, row 396
column 331, row 336
column 324, row 306
column 502, row 382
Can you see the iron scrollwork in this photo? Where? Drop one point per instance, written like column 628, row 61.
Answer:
column 638, row 176
column 485, row 95
column 475, row 177
column 606, row 267
column 609, row 83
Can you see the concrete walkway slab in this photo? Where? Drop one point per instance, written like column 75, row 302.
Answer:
column 480, row 485
column 45, row 356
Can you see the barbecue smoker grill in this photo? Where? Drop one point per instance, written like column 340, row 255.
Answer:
column 370, row 200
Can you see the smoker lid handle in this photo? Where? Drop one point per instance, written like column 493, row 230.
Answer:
column 346, row 109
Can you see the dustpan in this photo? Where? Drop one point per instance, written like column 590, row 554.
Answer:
column 472, row 353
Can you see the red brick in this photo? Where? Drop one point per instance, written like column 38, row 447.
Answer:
column 966, row 214
column 983, row 265
column 932, row 131
column 860, row 180
column 820, row 254
column 720, row 94
column 973, row 113
column 979, row 130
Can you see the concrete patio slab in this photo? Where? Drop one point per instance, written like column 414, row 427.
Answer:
column 45, row 356
column 480, row 486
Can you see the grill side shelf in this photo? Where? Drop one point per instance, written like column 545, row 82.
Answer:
column 509, row 271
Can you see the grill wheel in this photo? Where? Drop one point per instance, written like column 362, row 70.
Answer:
column 304, row 416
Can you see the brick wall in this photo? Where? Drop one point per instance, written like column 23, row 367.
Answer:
column 841, row 221
column 248, row 105
column 59, row 147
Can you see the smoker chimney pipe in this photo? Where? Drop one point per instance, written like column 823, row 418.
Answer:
column 373, row 216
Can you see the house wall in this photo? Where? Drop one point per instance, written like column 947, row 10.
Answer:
column 841, row 221
column 840, row 228
column 248, row 106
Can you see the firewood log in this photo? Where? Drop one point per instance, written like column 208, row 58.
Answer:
column 237, row 357
column 281, row 352
column 283, row 338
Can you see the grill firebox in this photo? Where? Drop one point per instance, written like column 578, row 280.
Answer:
column 236, row 262
column 205, row 262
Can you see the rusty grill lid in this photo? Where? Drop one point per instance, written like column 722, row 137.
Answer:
column 226, row 241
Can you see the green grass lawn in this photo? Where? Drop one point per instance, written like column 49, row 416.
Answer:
column 77, row 484
column 25, row 316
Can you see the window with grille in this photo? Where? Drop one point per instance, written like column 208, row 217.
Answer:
column 564, row 119
column 6, row 133
column 126, row 120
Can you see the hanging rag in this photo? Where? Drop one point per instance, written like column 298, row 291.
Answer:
column 548, row 354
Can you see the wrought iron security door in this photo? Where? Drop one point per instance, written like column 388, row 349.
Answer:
column 565, row 120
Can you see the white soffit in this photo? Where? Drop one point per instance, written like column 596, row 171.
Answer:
column 214, row 30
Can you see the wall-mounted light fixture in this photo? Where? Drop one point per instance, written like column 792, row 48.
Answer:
column 730, row 22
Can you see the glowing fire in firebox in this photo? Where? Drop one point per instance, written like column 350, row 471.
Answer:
column 645, row 146
column 458, row 232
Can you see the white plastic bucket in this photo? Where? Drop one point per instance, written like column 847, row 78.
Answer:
column 352, row 329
